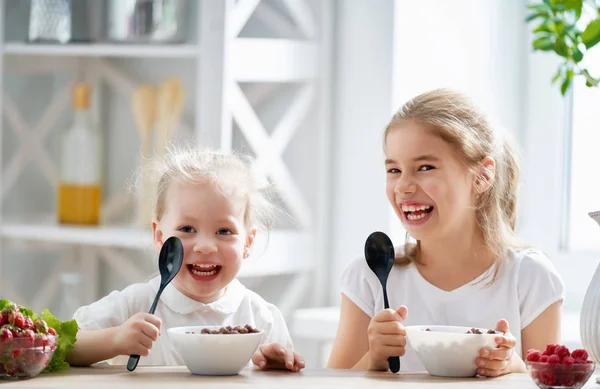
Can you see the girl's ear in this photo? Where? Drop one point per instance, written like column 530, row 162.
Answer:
column 157, row 234
column 486, row 175
column 249, row 242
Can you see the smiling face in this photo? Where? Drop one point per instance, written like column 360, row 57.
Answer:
column 428, row 184
column 214, row 236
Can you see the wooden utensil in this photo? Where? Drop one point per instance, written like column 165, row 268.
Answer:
column 144, row 112
column 171, row 99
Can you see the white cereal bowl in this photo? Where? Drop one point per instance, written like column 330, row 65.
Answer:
column 448, row 351
column 214, row 354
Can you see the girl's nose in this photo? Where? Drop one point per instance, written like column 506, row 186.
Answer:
column 205, row 245
column 405, row 186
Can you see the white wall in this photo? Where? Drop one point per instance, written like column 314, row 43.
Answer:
column 362, row 105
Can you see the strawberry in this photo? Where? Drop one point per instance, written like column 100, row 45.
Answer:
column 6, row 334
column 16, row 319
column 51, row 331
column 40, row 326
column 27, row 338
column 3, row 318
column 27, row 323
column 10, row 308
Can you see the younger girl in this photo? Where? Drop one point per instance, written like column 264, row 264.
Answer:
column 452, row 181
column 214, row 204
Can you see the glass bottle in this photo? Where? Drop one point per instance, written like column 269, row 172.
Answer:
column 80, row 187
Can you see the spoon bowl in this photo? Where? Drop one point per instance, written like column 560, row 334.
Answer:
column 380, row 254
column 169, row 263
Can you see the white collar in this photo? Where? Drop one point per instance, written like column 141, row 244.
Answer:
column 182, row 304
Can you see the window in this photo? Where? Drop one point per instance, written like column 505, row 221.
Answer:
column 583, row 233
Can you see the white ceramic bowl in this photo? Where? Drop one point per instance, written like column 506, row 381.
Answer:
column 214, row 354
column 448, row 351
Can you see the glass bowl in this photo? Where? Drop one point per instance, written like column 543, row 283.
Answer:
column 23, row 357
column 557, row 376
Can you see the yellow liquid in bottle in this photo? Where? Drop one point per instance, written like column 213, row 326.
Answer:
column 79, row 204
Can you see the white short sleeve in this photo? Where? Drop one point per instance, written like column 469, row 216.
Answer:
column 278, row 331
column 360, row 285
column 539, row 285
column 110, row 311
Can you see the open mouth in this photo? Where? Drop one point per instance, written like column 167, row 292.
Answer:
column 415, row 213
column 204, row 270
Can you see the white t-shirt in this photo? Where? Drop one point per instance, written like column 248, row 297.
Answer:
column 527, row 284
column 238, row 306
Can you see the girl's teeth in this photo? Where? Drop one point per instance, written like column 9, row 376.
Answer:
column 416, row 217
column 412, row 208
column 204, row 273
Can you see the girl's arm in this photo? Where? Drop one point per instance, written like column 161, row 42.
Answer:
column 93, row 346
column 351, row 345
column 544, row 330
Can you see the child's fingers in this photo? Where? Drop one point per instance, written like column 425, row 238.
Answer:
column 288, row 358
column 499, row 354
column 491, row 364
column 273, row 352
column 506, row 341
column 259, row 359
column 299, row 363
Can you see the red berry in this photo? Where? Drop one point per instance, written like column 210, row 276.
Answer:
column 27, row 338
column 51, row 331
column 579, row 360
column 562, row 352
column 16, row 319
column 3, row 318
column 568, row 360
column 6, row 334
column 548, row 377
column 554, row 359
column 550, row 349
column 580, row 354
column 533, row 356
column 10, row 308
column 544, row 358
column 40, row 326
column 27, row 323
column 568, row 381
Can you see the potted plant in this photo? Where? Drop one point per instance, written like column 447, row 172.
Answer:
column 570, row 29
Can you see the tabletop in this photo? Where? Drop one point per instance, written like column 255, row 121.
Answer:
column 168, row 376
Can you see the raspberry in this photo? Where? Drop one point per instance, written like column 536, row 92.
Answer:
column 579, row 360
column 550, row 349
column 548, row 377
column 580, row 354
column 568, row 361
column 562, row 352
column 544, row 358
column 568, row 381
column 553, row 359
column 533, row 355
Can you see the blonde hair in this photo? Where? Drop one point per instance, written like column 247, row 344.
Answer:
column 456, row 120
column 229, row 173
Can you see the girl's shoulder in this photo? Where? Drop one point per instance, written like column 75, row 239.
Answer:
column 530, row 261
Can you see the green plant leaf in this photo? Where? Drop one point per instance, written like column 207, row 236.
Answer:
column 559, row 73
column 565, row 86
column 547, row 26
column 544, row 43
column 591, row 35
column 561, row 48
column 577, row 55
column 531, row 17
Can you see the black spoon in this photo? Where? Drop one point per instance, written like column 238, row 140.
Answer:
column 169, row 263
column 379, row 253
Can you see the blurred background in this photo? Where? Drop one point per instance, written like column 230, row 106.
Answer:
column 92, row 89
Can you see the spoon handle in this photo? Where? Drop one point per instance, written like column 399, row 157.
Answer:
column 134, row 358
column 393, row 362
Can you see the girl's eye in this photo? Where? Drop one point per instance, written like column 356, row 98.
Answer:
column 425, row 168
column 394, row 170
column 187, row 229
column 224, row 231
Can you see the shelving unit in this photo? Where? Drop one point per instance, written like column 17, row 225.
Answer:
column 224, row 63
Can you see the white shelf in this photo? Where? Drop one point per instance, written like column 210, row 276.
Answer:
column 103, row 50
column 280, row 255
